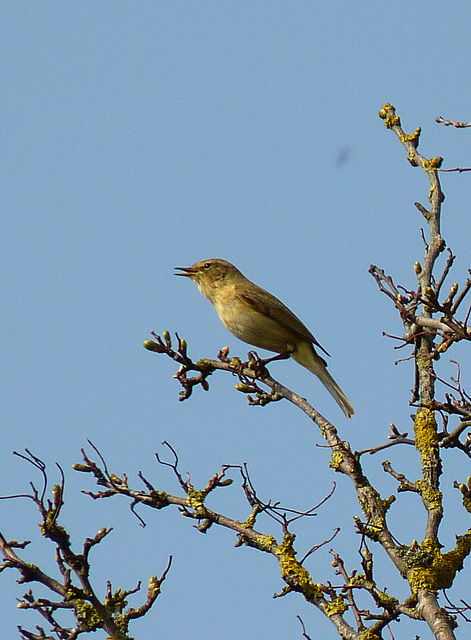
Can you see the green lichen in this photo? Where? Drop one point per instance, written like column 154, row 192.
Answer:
column 264, row 542
column 375, row 509
column 415, row 555
column 432, row 496
column 50, row 529
column 204, row 363
column 434, row 570
column 160, row 499
column 122, row 623
column 87, row 615
column 384, row 600
column 195, row 499
column 294, row 574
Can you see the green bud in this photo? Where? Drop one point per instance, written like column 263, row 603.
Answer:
column 244, row 388
column 81, row 467
column 150, row 345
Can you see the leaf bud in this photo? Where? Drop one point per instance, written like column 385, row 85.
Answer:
column 244, row 388
column 81, row 467
column 150, row 345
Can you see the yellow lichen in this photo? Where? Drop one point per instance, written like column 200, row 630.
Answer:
column 369, row 635
column 390, row 603
column 425, row 428
column 265, row 543
column 87, row 615
column 338, row 605
column 375, row 516
column 433, row 163
column 392, row 121
column 337, row 459
column 467, row 503
column 249, row 523
column 388, row 114
column 384, row 110
column 432, row 496
column 359, row 578
column 195, row 499
column 204, row 363
column 294, row 574
column 437, row 570
column 412, row 137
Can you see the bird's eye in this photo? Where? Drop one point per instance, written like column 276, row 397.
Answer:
column 207, row 265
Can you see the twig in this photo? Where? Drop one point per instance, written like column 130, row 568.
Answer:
column 453, row 123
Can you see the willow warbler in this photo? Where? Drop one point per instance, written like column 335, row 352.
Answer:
column 258, row 318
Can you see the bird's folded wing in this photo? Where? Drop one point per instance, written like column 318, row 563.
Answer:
column 275, row 309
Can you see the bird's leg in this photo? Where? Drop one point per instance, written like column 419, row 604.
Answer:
column 279, row 356
column 258, row 365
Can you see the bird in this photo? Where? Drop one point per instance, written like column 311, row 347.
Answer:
column 258, row 318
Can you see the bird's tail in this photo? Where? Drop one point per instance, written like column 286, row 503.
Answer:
column 307, row 357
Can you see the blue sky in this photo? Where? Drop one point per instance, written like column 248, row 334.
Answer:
column 140, row 136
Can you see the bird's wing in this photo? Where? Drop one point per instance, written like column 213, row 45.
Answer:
column 275, row 309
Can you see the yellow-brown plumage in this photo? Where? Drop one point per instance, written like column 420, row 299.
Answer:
column 258, row 318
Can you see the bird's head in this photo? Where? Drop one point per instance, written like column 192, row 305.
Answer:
column 210, row 275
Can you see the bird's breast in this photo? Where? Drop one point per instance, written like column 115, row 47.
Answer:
column 253, row 327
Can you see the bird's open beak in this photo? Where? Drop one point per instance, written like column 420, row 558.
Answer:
column 187, row 271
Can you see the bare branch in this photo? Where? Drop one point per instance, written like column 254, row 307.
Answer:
column 453, row 123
